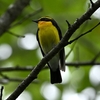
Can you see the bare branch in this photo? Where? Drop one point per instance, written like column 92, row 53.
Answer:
column 16, row 68
column 9, row 79
column 92, row 3
column 83, row 34
column 70, row 50
column 1, row 92
column 19, row 36
column 12, row 69
column 11, row 14
column 6, row 79
column 95, row 58
column 69, row 25
column 88, row 63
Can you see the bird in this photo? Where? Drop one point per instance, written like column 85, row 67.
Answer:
column 48, row 36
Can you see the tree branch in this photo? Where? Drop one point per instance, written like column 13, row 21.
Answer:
column 16, row 68
column 11, row 14
column 84, row 33
column 95, row 58
column 55, row 50
column 19, row 36
column 92, row 3
column 88, row 63
column 24, row 69
column 6, row 79
column 1, row 92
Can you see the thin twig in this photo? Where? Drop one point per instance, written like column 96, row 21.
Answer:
column 69, row 25
column 70, row 50
column 12, row 69
column 11, row 14
column 95, row 58
column 84, row 33
column 1, row 92
column 78, row 56
column 19, row 36
column 6, row 79
column 92, row 3
column 88, row 63
column 16, row 68
column 26, row 17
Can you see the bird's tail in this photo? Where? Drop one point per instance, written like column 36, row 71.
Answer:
column 55, row 76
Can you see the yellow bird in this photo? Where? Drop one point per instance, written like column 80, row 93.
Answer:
column 48, row 36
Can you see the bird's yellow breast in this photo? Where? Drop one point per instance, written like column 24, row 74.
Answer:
column 48, row 36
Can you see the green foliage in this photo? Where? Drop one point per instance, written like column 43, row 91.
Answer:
column 85, row 49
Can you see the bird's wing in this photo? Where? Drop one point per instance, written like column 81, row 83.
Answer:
column 39, row 43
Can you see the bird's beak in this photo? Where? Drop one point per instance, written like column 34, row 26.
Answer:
column 36, row 21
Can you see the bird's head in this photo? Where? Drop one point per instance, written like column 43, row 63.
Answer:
column 44, row 22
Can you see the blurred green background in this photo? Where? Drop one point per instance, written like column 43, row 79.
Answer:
column 80, row 82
